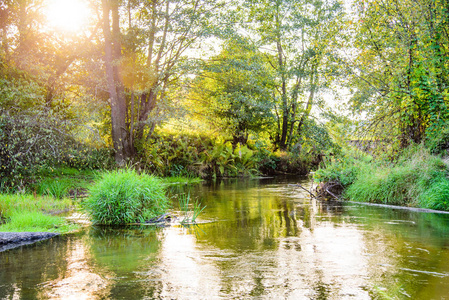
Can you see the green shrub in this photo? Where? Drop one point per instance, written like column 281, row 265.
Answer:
column 123, row 196
column 195, row 155
column 343, row 168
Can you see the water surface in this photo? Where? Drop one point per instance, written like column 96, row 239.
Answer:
column 257, row 239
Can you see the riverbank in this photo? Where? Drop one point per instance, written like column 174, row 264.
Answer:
column 416, row 178
column 10, row 240
column 28, row 218
column 30, row 213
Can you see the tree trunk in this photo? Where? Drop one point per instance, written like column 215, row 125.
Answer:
column 147, row 104
column 313, row 84
column 120, row 137
column 285, row 108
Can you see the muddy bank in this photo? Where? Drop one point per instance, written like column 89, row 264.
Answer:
column 10, row 240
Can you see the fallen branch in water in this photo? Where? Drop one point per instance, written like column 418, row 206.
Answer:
column 311, row 194
column 324, row 189
column 332, row 194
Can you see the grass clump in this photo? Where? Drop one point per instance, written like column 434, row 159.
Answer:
column 62, row 182
column 123, row 197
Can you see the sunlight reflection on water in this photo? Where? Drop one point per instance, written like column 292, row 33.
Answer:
column 268, row 240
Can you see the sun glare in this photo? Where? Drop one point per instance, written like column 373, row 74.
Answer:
column 67, row 15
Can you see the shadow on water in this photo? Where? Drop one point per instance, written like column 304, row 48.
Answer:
column 260, row 238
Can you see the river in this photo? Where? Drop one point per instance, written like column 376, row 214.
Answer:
column 256, row 239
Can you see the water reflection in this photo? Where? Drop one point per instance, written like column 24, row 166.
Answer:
column 22, row 270
column 79, row 281
column 259, row 239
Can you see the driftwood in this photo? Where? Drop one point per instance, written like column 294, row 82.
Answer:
column 330, row 188
column 303, row 188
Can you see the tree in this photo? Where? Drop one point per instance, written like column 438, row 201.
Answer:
column 296, row 34
column 400, row 72
column 37, row 115
column 234, row 90
column 144, row 56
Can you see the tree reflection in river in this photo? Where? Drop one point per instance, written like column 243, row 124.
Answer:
column 256, row 239
column 18, row 275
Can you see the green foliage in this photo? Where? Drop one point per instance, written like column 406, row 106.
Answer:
column 22, row 202
column 297, row 35
column 291, row 163
column 438, row 143
column 189, row 216
column 400, row 73
column 82, row 157
column 123, row 196
column 36, row 136
column 30, row 139
column 314, row 139
column 415, row 178
column 342, row 168
column 35, row 221
column 193, row 155
column 234, row 90
column 224, row 161
column 27, row 213
column 171, row 154
column 190, row 155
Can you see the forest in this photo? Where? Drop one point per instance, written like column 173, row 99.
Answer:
column 355, row 91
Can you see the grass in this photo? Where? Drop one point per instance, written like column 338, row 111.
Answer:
column 181, row 180
column 23, row 202
column 34, row 221
column 33, row 214
column 407, row 182
column 123, row 197
column 61, row 182
column 189, row 216
column 416, row 179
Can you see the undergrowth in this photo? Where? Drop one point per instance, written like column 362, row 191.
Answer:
column 63, row 182
column 35, row 221
column 415, row 178
column 33, row 214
